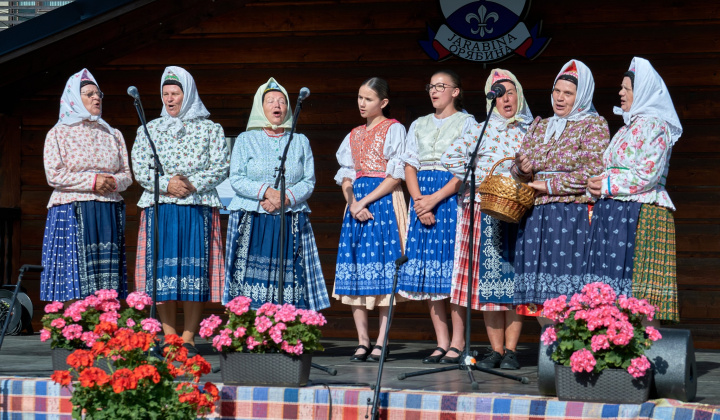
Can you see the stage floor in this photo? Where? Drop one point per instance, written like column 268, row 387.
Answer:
column 26, row 356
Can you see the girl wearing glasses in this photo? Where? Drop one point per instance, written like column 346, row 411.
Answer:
column 252, row 249
column 433, row 208
column 375, row 218
column 86, row 162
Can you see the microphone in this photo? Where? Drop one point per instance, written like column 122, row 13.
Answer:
column 304, row 93
column 400, row 261
column 496, row 91
column 132, row 91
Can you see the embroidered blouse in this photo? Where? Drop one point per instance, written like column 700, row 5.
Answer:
column 374, row 152
column 495, row 145
column 255, row 157
column 198, row 152
column 637, row 163
column 567, row 162
column 429, row 137
column 75, row 154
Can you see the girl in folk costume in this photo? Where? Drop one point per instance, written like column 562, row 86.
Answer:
column 376, row 216
column 252, row 241
column 194, row 155
column 86, row 162
column 633, row 232
column 494, row 247
column 433, row 209
column 560, row 153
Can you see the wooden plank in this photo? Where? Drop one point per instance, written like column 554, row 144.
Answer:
column 9, row 162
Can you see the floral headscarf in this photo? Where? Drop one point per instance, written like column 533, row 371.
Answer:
column 257, row 119
column 191, row 108
column 523, row 115
column 583, row 106
column 72, row 109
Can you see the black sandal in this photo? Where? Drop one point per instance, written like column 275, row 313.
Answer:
column 452, row 360
column 360, row 357
column 435, row 359
column 372, row 358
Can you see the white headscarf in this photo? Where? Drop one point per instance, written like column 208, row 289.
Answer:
column 72, row 109
column 523, row 115
column 191, row 108
column 257, row 119
column 651, row 97
column 583, row 106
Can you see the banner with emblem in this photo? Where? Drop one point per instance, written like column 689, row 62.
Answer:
column 484, row 31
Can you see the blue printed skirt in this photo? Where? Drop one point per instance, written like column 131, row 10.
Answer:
column 430, row 249
column 83, row 250
column 550, row 252
column 253, row 261
column 368, row 250
column 183, row 263
column 612, row 244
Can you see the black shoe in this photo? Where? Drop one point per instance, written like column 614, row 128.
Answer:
column 452, row 360
column 435, row 359
column 372, row 358
column 192, row 350
column 360, row 357
column 509, row 361
column 490, row 361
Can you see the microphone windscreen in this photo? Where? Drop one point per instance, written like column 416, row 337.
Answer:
column 132, row 91
column 304, row 93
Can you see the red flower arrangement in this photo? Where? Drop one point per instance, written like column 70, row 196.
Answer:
column 138, row 385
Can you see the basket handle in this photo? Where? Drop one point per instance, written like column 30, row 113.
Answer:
column 499, row 162
column 503, row 160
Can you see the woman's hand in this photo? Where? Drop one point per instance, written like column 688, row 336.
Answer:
column 425, row 204
column 363, row 215
column 523, row 164
column 268, row 206
column 539, row 186
column 427, row 219
column 180, row 187
column 594, row 186
column 273, row 196
column 104, row 184
column 356, row 207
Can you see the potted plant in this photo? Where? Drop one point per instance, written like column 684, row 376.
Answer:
column 74, row 327
column 138, row 386
column 601, row 345
column 270, row 346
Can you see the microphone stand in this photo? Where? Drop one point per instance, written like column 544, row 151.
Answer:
column 280, row 186
column 467, row 362
column 375, row 410
column 158, row 171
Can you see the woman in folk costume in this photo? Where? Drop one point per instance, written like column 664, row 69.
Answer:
column 560, row 153
column 494, row 247
column 375, row 220
column 194, row 156
column 432, row 217
column 254, row 227
column 86, row 162
column 633, row 231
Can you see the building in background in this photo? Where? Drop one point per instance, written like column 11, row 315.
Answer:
column 16, row 12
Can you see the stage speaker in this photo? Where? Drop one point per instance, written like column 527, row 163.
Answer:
column 672, row 359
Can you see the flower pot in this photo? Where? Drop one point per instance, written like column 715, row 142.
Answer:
column 614, row 386
column 275, row 369
column 59, row 360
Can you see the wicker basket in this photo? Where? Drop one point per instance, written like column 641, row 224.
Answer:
column 504, row 198
column 274, row 369
column 611, row 386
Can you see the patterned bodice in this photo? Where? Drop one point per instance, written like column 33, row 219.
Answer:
column 367, row 147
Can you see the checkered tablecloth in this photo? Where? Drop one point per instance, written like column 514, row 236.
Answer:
column 30, row 398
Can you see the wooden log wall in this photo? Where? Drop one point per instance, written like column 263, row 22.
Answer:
column 332, row 46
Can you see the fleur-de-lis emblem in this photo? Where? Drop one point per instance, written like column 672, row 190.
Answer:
column 482, row 18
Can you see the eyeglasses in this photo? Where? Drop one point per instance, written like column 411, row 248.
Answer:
column 280, row 102
column 440, row 87
column 93, row 93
